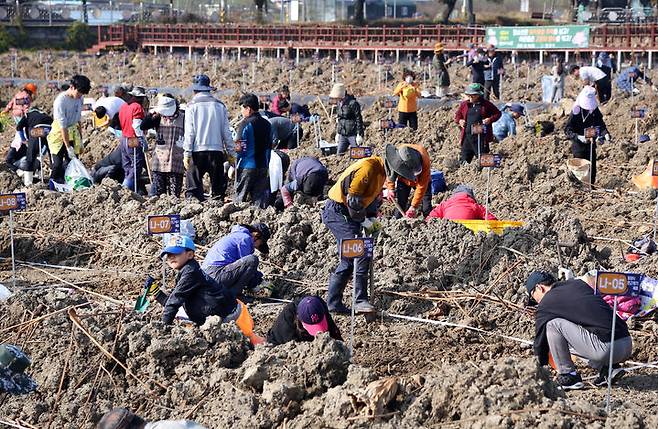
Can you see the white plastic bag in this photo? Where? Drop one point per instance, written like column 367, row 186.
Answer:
column 77, row 176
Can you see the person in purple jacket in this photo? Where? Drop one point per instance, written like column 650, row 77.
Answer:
column 307, row 175
column 233, row 256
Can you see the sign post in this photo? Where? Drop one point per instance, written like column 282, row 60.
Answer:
column 163, row 224
column 616, row 284
column 40, row 132
column 353, row 248
column 9, row 203
column 479, row 129
column 489, row 161
column 591, row 134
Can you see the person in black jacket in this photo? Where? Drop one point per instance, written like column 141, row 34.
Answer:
column 302, row 320
column 195, row 291
column 586, row 115
column 30, row 146
column 477, row 64
column 110, row 166
column 571, row 319
column 349, row 127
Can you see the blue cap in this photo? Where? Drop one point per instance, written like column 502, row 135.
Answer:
column 644, row 138
column 536, row 278
column 201, row 82
column 178, row 244
column 517, row 108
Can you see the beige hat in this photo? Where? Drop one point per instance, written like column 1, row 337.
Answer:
column 338, row 91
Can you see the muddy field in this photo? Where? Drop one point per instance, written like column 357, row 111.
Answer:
column 403, row 373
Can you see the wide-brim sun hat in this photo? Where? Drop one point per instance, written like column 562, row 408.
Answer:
column 166, row 106
column 201, row 83
column 406, row 162
column 337, row 91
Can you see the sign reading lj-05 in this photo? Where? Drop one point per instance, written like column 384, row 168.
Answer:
column 540, row 37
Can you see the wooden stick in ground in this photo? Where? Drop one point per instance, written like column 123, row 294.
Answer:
column 326, row 112
column 45, row 316
column 96, row 294
column 76, row 321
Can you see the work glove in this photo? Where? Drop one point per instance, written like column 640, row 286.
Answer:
column 187, row 160
column 151, row 286
column 70, row 150
column 313, row 119
column 581, row 139
column 286, row 196
column 230, row 159
column 371, row 226
column 359, row 140
column 231, row 172
column 144, row 143
column 411, row 213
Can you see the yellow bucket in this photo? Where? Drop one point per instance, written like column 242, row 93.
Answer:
column 496, row 226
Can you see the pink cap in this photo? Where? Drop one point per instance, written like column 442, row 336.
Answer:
column 315, row 328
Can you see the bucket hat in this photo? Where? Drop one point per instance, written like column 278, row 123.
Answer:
column 201, row 83
column 587, row 99
column 474, row 89
column 166, row 106
column 138, row 91
column 337, row 91
column 13, row 363
column 404, row 161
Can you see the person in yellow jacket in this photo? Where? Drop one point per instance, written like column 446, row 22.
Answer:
column 353, row 198
column 408, row 90
column 409, row 167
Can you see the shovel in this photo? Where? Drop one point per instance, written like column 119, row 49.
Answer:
column 142, row 303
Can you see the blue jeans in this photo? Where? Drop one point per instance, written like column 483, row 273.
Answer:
column 237, row 276
column 127, row 156
column 336, row 218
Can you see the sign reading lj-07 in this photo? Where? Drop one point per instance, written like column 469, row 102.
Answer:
column 540, row 37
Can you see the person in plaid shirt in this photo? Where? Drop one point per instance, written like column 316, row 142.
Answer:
column 167, row 163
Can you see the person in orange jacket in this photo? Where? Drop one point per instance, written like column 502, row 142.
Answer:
column 353, row 198
column 20, row 104
column 409, row 167
column 408, row 90
column 461, row 206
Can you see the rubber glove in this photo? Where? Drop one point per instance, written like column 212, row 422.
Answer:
column 187, row 159
column 231, row 172
column 371, row 226
column 411, row 213
column 231, row 159
column 286, row 196
column 359, row 140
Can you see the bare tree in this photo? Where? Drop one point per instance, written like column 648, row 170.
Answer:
column 358, row 12
column 450, row 6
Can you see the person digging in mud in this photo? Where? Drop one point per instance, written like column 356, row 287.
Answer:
column 353, row 199
column 107, row 109
column 408, row 90
column 571, row 319
column 408, row 166
column 208, row 142
column 29, row 145
column 585, row 115
column 302, row 320
column 506, row 125
column 349, row 122
column 472, row 115
column 167, row 163
column 283, row 94
column 65, row 137
column 594, row 76
column 285, row 133
column 627, row 80
column 231, row 260
column 461, row 206
column 132, row 141
column 253, row 148
column 110, row 166
column 122, row 418
column 306, row 175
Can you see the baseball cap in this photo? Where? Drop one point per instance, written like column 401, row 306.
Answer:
column 265, row 235
column 538, row 277
column 178, row 244
column 312, row 312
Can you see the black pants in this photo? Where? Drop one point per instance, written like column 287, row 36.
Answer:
column 470, row 148
column 14, row 155
column 492, row 87
column 409, row 119
column 582, row 151
column 167, row 183
column 237, row 276
column 60, row 161
column 253, row 184
column 402, row 191
column 604, row 89
column 212, row 163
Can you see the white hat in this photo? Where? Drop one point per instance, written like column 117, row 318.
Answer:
column 338, row 91
column 166, row 106
column 587, row 99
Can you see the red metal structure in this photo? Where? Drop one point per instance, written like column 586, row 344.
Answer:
column 624, row 37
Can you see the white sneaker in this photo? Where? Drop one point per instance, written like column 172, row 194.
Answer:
column 20, row 172
column 28, row 177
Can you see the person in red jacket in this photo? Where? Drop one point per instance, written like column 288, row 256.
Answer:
column 461, row 206
column 479, row 112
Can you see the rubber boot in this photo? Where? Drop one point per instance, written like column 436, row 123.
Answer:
column 287, row 197
column 28, row 177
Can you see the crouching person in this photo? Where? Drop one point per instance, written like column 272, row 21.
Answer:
column 571, row 319
column 122, row 418
column 302, row 320
column 306, row 175
column 231, row 260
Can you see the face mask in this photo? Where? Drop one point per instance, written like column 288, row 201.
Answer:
column 409, row 79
